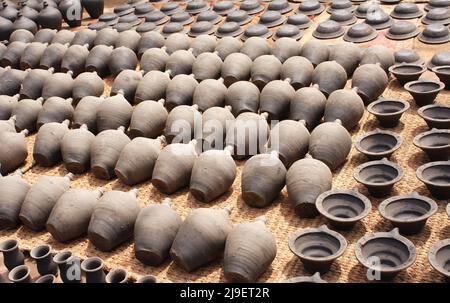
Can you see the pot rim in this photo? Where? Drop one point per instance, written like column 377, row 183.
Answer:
column 421, row 169
column 378, row 132
column 333, row 35
column 143, row 278
column 421, row 112
column 408, row 86
column 274, row 23
column 433, row 208
column 370, row 107
column 425, row 20
column 393, row 234
column 348, row 192
column 83, row 264
column 435, row 69
column 57, row 260
column 35, row 250
column 8, row 241
column 319, row 230
column 117, row 270
column 384, row 162
column 392, row 69
column 432, row 256
column 16, row 269
column 416, row 140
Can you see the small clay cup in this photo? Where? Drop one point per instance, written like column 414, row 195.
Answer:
column 385, row 253
column 436, row 176
column 20, row 274
column 439, row 258
column 117, row 276
column 435, row 115
column 435, row 143
column 47, row 279
column 317, row 248
column 69, row 267
column 408, row 213
column 12, row 256
column 378, row 144
column 93, row 270
column 379, row 177
column 443, row 72
column 423, row 91
column 388, row 112
column 42, row 254
column 343, row 208
column 406, row 72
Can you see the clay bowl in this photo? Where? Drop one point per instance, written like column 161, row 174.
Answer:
column 408, row 213
column 406, row 72
column 436, row 115
column 343, row 208
column 379, row 177
column 435, row 143
column 443, row 72
column 423, row 91
column 439, row 258
column 436, row 176
column 388, row 112
column 378, row 144
column 385, row 253
column 317, row 248
column 306, row 279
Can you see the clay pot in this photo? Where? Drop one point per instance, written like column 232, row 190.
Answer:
column 72, row 12
column 23, row 22
column 284, row 48
column 32, row 54
column 443, row 72
column 407, row 56
column 343, row 208
column 216, row 122
column 105, row 234
column 6, row 28
column 378, row 54
column 7, row 105
column 330, row 76
column 435, row 143
column 180, row 91
column 21, row 35
column 316, row 52
column 13, row 151
column 275, row 99
column 369, row 90
column 26, row 113
column 346, row 106
column 147, row 279
column 129, row 39
column 209, row 93
column 63, row 36
column 114, row 113
column 423, row 91
column 435, row 115
column 74, row 59
column 348, row 55
column 177, row 41
column 58, row 85
column 388, row 112
column 202, row 44
column 264, row 69
column 126, row 83
column 98, row 60
column 87, row 84
column 11, row 57
column 107, row 37
column 438, row 257
column 255, row 47
column 152, row 86
column 227, row 46
column 263, row 178
column 308, row 104
column 306, row 279
column 118, row 275
column 207, row 66
column 42, row 255
column 55, row 109
column 249, row 251
column 379, row 177
column 378, row 144
column 392, row 251
column 69, row 267
column 201, row 238
column 12, row 256
column 13, row 190
column 49, row 17
column 236, row 67
column 52, row 56
column 41, row 199
column 140, row 126
column 182, row 123
column 20, row 274
column 94, row 7
column 150, row 40
column 120, row 59
column 317, row 248
column 407, row 72
column 93, row 270
column 180, row 62
column 435, row 176
column 105, row 152
column 75, row 149
column 243, row 96
column 154, row 220
column 155, row 59
column 298, row 70
column 288, row 31
column 47, row 146
column 84, row 37
column 86, row 113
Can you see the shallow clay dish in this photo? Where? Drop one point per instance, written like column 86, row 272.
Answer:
column 272, row 18
column 170, row 8
column 424, row 91
column 407, row 56
column 437, row 16
column 443, row 72
column 210, row 16
column 196, row 7
column 378, row 144
column 359, row 33
column 379, row 177
column 435, row 143
column 224, row 7
column 172, row 28
column 343, row 17
column 306, row 279
column 229, row 29
column 311, row 7
column 201, row 28
column 288, row 31
column 386, row 253
column 435, row 34
column 157, row 17
column 439, row 257
column 379, row 20
column 317, row 248
column 408, row 213
column 300, row 20
column 257, row 30
column 281, row 6
column 251, row 6
column 436, row 115
column 362, row 10
column 388, row 112
column 239, row 16
column 402, row 30
column 436, row 176
column 182, row 17
column 328, row 29
column 343, row 208
column 436, row 3
column 407, row 72
column 340, row 5
column 406, row 10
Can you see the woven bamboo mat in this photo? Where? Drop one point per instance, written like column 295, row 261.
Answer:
column 281, row 219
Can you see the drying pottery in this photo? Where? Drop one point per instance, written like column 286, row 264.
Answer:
column 443, row 72
column 147, row 279
column 20, row 274
column 298, row 70
column 439, row 59
column 63, row 36
column 435, row 34
column 243, row 96
column 304, row 188
column 6, row 28
column 47, row 146
column 74, row 59
column 7, row 105
column 254, row 47
column 271, row 19
column 157, row 17
column 113, row 113
column 393, row 253
column 40, row 200
column 45, row 35
column 257, row 30
column 203, row 44
column 106, row 234
column 181, row 124
column 252, row 7
column 42, row 255
column 406, row 10
column 328, row 29
column 180, row 91
column 124, row 9
column 120, row 59
column 13, row 151
column 55, row 109
column 275, row 99
column 306, row 279
column 329, row 76
column 436, row 177
column 209, row 93
column 402, row 30
column 348, row 55
column 13, row 189
column 215, row 125
column 438, row 257
column 87, row 84
column 180, row 62
column 21, row 35
column 58, row 85
column 94, row 7
column 287, row 31
column 72, row 12
column 308, row 104
column 107, row 36
column 435, row 143
column 249, row 251
column 69, row 267
column 201, row 238
column 435, row 115
column 11, row 57
column 229, row 29
column 379, row 177
column 344, row 105
column 437, row 16
column 201, row 28
column 436, row 3
column 316, row 51
column 406, row 72
column 182, row 17
column 26, row 113
column 33, row 83
column 47, row 279
column 281, row 6
column 197, row 6
column 379, row 20
column 370, row 81
column 156, row 59
column 76, row 149
column 150, row 40
column 86, row 113
column 8, row 125
column 424, row 91
column 210, row 16
column 388, row 112
column 223, row 7
column 93, row 270
column 263, row 178
column 236, row 67
column 173, row 28
column 408, row 213
column 264, row 69
column 105, row 151
column 378, row 54
column 343, row 208
column 359, row 33
column 378, row 144
column 207, row 66
column 310, row 7
column 317, row 248
column 152, row 86
column 170, row 8
column 154, row 220
column 285, row 48
column 12, row 256
column 52, row 56
column 31, row 56
column 173, row 167
column 330, row 143
column 343, row 17
column 337, row 5
column 118, row 275
column 239, row 16
column 84, row 37
column 49, row 17
column 300, row 20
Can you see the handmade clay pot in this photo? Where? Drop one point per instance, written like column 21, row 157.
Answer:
column 254, row 47
column 23, row 22
column 209, row 93
column 308, row 104
column 242, row 96
column 436, row 115
column 180, row 91
column 207, row 66
column 316, row 51
column 42, row 255
column 393, row 252
column 379, row 177
column 7, row 105
column 177, row 41
column 114, row 113
column 122, row 58
column 210, row 16
column 236, row 67
column 47, row 279
column 439, row 59
column 239, row 16
column 86, row 113
column 181, row 124
column 436, row 178
column 152, row 87
column 424, row 92
column 264, row 69
column 216, row 122
column 388, row 112
column 343, row 17
column 74, row 59
column 150, row 40
column 443, row 72
column 298, row 70
column 147, row 279
column 369, row 90
column 47, row 146
column 435, row 143
column 63, row 36
column 32, row 54
column 20, row 274
column 275, row 99
column 438, row 257
column 180, row 62
column 6, row 28
column 26, row 113
column 300, row 20
column 21, row 35
column 13, row 151
column 72, row 12
column 407, row 72
column 55, row 109
column 378, row 144
column 328, row 29
column 402, row 30
column 11, row 57
column 93, row 270
column 406, row 11
column 435, row 34
column 227, row 46
column 317, row 248
column 58, row 85
column 12, row 256
column 13, row 190
column 311, row 7
column 75, row 149
column 94, row 7
column 346, row 106
column 407, row 56
column 52, row 56
column 223, row 7
column 288, row 31
column 202, row 44
column 360, row 33
column 8, row 125
column 69, row 267
column 348, row 55
column 378, row 54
